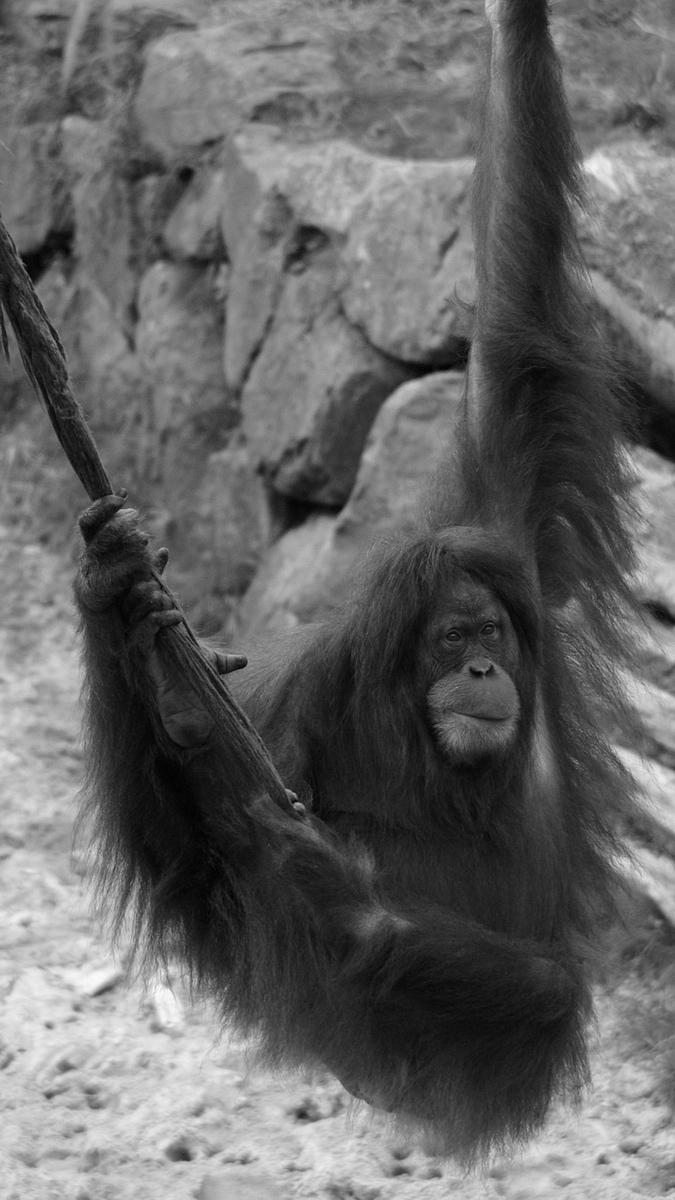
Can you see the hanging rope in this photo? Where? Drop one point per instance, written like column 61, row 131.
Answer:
column 45, row 363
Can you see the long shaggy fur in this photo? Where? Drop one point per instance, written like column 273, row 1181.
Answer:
column 428, row 933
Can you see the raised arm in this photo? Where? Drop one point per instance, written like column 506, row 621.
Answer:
column 541, row 397
column 527, row 182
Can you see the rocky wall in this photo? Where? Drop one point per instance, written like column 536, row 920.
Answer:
column 265, row 318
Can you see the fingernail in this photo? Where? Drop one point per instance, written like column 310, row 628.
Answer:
column 122, row 493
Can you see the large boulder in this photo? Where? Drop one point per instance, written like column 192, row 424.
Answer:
column 228, row 522
column 200, row 86
column 402, row 231
column 409, row 439
column 656, row 540
column 258, row 251
column 314, row 390
column 633, row 239
column 33, row 196
column 311, row 569
column 179, row 345
column 409, row 259
column 104, row 370
column 104, row 232
column 630, row 247
column 193, row 229
column 288, row 589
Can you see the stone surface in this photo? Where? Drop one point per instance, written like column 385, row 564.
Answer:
column 193, row 229
column 33, row 197
column 655, row 543
column 258, row 259
column 104, row 372
column 198, row 87
column 407, row 443
column 104, row 237
column 101, row 363
column 288, row 589
column 241, row 1183
column 315, row 389
column 402, row 232
column 231, row 524
column 643, row 345
column 179, row 340
column 630, row 246
column 311, row 569
column 632, row 239
column 408, row 259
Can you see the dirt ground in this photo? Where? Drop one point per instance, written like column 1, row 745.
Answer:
column 110, row 1090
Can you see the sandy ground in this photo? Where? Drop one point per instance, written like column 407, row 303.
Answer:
column 109, row 1091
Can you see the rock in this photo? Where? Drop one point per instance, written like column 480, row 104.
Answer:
column 631, row 1145
column 179, row 340
column 655, row 648
column 104, row 239
column 72, row 1057
column 258, row 259
column 315, row 388
column 50, row 10
column 199, row 87
column 33, row 195
column 231, row 526
column 158, row 14
column 632, row 241
column 656, row 710
column 241, row 1184
column 311, row 569
column 630, row 248
column 95, row 980
column 658, row 784
column 193, row 229
column 401, row 229
column 643, row 345
column 105, row 372
column 656, row 551
column 430, row 1171
column 654, row 875
column 408, row 441
column 154, row 198
column 180, row 1149
column 289, row 586
column 408, row 258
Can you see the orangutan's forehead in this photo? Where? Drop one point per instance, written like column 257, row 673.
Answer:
column 466, row 597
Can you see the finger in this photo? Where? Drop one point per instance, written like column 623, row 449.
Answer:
column 171, row 616
column 120, row 535
column 299, row 807
column 94, row 517
column 143, row 632
column 161, row 559
column 225, row 663
column 145, row 598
